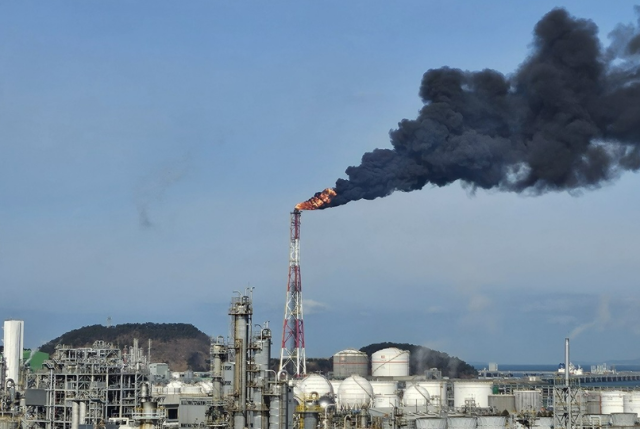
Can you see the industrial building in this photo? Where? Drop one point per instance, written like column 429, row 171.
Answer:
column 105, row 387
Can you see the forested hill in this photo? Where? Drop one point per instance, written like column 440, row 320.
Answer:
column 181, row 345
column 423, row 358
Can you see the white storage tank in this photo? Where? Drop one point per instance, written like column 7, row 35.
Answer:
column 355, row 392
column 437, row 391
column 474, row 393
column 592, row 400
column 312, row 387
column 491, row 422
column 390, row 362
column 528, row 400
column 13, row 346
column 415, row 396
column 431, row 423
column 461, row 423
column 611, row 402
column 385, row 394
column 623, row 419
column 350, row 361
column 631, row 402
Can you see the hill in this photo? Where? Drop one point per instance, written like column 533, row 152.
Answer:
column 423, row 358
column 182, row 346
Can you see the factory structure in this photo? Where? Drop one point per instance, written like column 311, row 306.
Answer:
column 104, row 386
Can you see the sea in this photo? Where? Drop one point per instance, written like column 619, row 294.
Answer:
column 521, row 370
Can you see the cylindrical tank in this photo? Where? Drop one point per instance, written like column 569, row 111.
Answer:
column 437, row 391
column 415, row 396
column 13, row 345
column 312, row 388
column 461, row 423
column 472, row 393
column 355, row 392
column 503, row 403
column 631, row 402
column 431, row 423
column 611, row 402
column 592, row 400
column 528, row 400
column 623, row 419
column 385, row 394
column 390, row 362
column 491, row 422
column 350, row 361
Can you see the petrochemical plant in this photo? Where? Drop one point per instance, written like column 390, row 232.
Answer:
column 103, row 386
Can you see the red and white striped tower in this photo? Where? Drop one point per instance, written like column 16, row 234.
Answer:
column 292, row 356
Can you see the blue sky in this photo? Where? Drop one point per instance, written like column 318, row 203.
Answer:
column 151, row 151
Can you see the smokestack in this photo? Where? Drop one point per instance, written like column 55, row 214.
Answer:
column 567, row 119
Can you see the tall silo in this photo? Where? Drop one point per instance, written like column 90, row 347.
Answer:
column 350, row 361
column 13, row 346
column 390, row 362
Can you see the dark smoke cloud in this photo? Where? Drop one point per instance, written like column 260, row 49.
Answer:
column 567, row 119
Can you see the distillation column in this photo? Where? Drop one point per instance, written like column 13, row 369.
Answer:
column 241, row 311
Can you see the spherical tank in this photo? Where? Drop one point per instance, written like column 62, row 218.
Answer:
column 355, row 392
column 631, row 402
column 385, row 394
column 461, row 423
column 312, row 387
column 476, row 393
column 437, row 391
column 431, row 423
column 491, row 422
column 390, row 362
column 623, row 419
column 612, row 402
column 415, row 396
column 349, row 362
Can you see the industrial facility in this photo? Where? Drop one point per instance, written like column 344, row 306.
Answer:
column 105, row 386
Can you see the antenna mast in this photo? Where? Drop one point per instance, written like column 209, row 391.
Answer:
column 292, row 355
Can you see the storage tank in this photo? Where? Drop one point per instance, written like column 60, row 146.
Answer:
column 415, row 396
column 350, row 361
column 355, row 392
column 390, row 362
column 385, row 394
column 461, row 423
column 631, row 402
column 13, row 345
column 623, row 419
column 491, row 422
column 503, row 403
column 437, row 391
column 528, row 400
column 312, row 387
column 592, row 399
column 431, row 423
column 611, row 402
column 472, row 393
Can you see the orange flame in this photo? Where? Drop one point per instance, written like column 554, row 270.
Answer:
column 318, row 201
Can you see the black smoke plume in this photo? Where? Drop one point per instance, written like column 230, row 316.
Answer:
column 567, row 119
